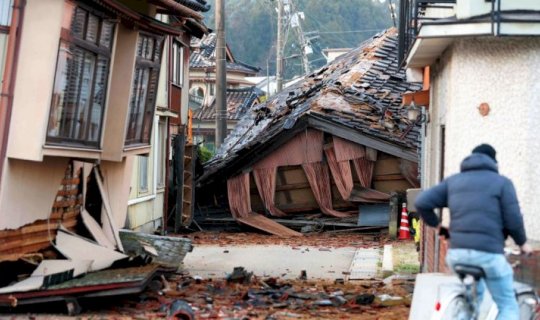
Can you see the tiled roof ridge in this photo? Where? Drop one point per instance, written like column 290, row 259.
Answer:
column 249, row 95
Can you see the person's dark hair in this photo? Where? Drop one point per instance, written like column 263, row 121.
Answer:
column 487, row 150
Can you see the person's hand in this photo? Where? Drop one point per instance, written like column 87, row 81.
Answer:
column 443, row 232
column 525, row 249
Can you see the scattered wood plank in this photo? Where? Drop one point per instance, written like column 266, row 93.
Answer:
column 108, row 209
column 261, row 222
column 75, row 247
column 95, row 230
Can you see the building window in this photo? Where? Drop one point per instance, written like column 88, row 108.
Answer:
column 144, row 89
column 178, row 64
column 212, row 89
column 161, row 157
column 5, row 12
column 143, row 174
column 80, row 84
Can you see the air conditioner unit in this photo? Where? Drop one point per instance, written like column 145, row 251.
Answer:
column 471, row 8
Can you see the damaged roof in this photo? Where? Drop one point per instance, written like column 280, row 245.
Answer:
column 203, row 55
column 356, row 97
column 239, row 101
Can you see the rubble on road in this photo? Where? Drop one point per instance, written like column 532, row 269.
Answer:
column 268, row 298
column 323, row 240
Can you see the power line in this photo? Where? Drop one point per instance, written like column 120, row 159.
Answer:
column 348, row 31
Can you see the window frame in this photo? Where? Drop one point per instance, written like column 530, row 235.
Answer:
column 177, row 72
column 153, row 66
column 144, row 169
column 161, row 152
column 69, row 43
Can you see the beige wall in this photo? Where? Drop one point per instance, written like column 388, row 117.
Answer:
column 117, row 176
column 121, row 78
column 162, row 98
column 502, row 72
column 34, row 85
column 29, row 189
column 35, row 77
column 147, row 216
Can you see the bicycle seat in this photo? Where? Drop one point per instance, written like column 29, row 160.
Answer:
column 464, row 269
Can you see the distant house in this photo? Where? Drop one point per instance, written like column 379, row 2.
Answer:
column 239, row 102
column 268, row 85
column 202, row 66
column 336, row 140
column 479, row 63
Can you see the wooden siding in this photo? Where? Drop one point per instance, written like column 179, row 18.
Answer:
column 293, row 193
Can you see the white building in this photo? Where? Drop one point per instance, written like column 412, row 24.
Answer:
column 479, row 62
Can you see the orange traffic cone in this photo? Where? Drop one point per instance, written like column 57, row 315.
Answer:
column 404, row 232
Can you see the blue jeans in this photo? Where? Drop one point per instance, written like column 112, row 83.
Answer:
column 499, row 278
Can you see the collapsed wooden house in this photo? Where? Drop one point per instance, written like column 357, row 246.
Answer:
column 336, row 142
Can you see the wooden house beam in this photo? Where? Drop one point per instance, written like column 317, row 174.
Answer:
column 358, row 137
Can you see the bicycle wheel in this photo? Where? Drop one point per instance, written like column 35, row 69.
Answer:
column 527, row 306
column 457, row 309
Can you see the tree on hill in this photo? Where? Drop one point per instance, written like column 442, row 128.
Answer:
column 251, row 28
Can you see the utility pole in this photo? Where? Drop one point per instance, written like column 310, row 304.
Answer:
column 304, row 45
column 392, row 8
column 221, row 74
column 279, row 47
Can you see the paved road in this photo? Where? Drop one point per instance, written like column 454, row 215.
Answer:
column 280, row 261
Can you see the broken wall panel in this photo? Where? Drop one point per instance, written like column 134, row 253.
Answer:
column 319, row 180
column 305, row 147
column 75, row 247
column 117, row 181
column 239, row 195
column 387, row 175
column 265, row 179
column 347, row 150
column 29, row 190
column 37, row 235
column 392, row 186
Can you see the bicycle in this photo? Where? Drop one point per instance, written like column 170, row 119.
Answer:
column 461, row 303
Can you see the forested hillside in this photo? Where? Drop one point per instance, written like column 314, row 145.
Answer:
column 251, row 28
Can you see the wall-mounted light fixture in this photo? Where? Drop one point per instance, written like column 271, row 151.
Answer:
column 414, row 112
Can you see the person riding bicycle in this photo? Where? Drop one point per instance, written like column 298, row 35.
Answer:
column 484, row 209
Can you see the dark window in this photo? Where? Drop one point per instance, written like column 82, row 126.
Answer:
column 80, row 85
column 143, row 95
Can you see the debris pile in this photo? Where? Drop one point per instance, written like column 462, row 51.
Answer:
column 326, row 239
column 250, row 297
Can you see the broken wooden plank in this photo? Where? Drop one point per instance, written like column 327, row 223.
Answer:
column 108, row 210
column 49, row 267
column 261, row 222
column 28, row 284
column 77, row 248
column 95, row 230
column 360, row 138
